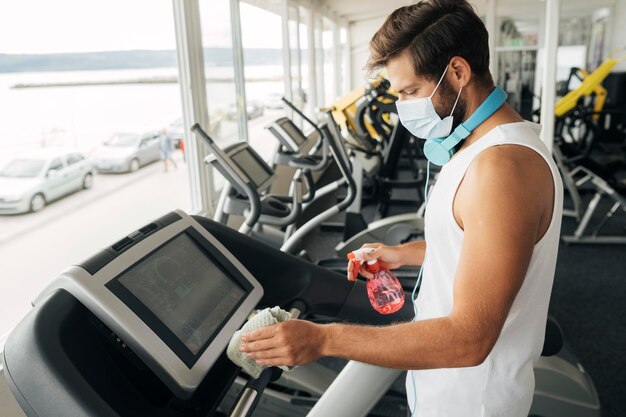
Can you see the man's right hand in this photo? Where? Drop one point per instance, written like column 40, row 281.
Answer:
column 390, row 257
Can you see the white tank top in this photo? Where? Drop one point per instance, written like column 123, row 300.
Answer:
column 503, row 384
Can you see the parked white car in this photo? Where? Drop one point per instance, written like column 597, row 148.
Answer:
column 30, row 181
column 127, row 152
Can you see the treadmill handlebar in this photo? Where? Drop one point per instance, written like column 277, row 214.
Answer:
column 296, row 206
column 249, row 189
column 306, row 162
column 249, row 396
column 198, row 130
column 299, row 113
column 310, row 185
column 322, row 164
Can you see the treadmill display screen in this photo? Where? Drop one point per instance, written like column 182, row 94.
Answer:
column 293, row 132
column 185, row 288
column 255, row 168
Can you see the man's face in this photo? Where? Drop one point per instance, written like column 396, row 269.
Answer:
column 410, row 85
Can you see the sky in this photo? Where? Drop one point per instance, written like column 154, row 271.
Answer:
column 53, row 26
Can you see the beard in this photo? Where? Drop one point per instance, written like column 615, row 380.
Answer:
column 447, row 97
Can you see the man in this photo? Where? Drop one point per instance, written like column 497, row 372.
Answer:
column 166, row 147
column 492, row 231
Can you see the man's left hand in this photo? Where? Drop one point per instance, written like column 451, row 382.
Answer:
column 290, row 343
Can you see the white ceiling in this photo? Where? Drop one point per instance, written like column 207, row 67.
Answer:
column 361, row 10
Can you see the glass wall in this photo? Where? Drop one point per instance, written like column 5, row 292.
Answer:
column 86, row 120
column 219, row 70
column 261, row 31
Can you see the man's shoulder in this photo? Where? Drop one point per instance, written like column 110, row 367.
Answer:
column 509, row 165
column 518, row 147
column 508, row 176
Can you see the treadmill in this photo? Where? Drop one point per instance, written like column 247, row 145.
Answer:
column 141, row 328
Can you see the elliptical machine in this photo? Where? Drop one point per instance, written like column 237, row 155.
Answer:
column 242, row 177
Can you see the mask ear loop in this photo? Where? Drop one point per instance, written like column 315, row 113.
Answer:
column 456, row 101
column 439, row 82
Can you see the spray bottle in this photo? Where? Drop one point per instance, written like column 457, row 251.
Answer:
column 383, row 289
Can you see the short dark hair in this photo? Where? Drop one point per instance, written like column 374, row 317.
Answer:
column 433, row 32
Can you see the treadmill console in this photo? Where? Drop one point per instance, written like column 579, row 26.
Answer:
column 287, row 133
column 239, row 163
column 171, row 292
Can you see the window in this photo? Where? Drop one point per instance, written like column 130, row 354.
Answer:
column 114, row 73
column 262, row 39
column 74, row 158
column 219, row 71
column 56, row 165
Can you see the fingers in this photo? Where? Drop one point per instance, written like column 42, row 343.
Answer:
column 281, row 356
column 274, row 353
column 375, row 254
column 349, row 274
column 389, row 266
column 260, row 345
column 279, row 361
column 365, row 273
column 372, row 245
column 259, row 334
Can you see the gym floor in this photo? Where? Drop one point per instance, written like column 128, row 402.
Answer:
column 589, row 301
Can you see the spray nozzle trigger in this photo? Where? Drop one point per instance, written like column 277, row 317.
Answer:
column 355, row 260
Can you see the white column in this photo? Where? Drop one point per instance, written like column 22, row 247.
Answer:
column 240, row 79
column 539, row 64
column 284, row 8
column 310, row 27
column 194, row 103
column 548, row 92
column 490, row 23
column 338, row 59
column 322, row 100
column 347, row 62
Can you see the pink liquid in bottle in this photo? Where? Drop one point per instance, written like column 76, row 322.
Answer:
column 384, row 290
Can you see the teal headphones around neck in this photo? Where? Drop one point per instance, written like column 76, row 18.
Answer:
column 440, row 150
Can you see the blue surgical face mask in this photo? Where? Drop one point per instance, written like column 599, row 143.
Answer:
column 420, row 118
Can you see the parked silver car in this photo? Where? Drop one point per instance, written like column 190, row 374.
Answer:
column 30, row 181
column 127, row 152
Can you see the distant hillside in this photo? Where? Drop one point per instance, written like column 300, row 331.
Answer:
column 128, row 59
